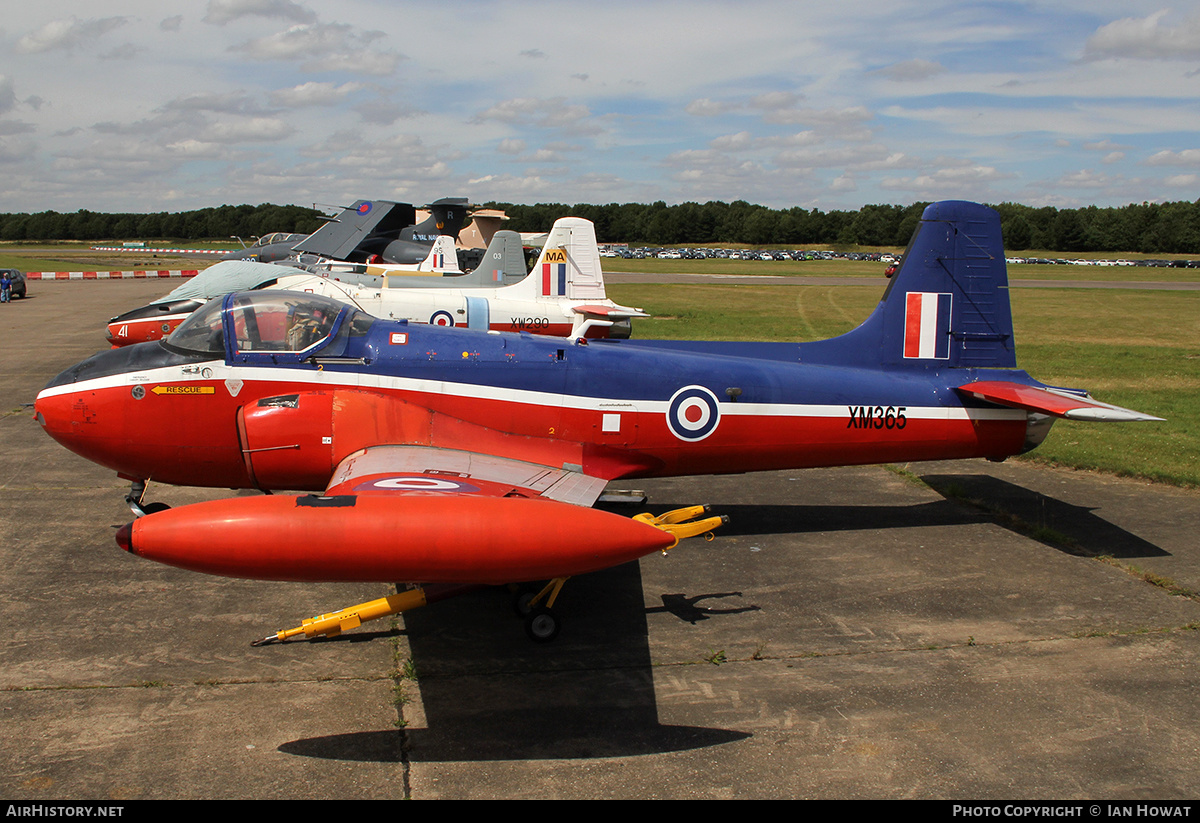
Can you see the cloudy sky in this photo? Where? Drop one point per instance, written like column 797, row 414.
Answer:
column 146, row 106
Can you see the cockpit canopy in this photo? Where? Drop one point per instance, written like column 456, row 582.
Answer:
column 265, row 322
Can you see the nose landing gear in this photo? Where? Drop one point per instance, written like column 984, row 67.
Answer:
column 137, row 491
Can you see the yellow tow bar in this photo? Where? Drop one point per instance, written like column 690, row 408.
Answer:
column 683, row 523
column 334, row 623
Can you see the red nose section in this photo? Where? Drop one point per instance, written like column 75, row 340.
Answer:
column 54, row 414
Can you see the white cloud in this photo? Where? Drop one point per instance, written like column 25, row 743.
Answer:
column 243, row 130
column 1085, row 179
column 67, row 34
column 872, row 156
column 1105, row 145
column 1187, row 157
column 533, row 112
column 848, row 116
column 229, row 102
column 844, row 183
column 17, row 151
column 1079, row 119
column 313, row 94
column 126, row 51
column 543, row 156
column 1145, row 38
column 401, row 161
column 221, row 12
column 11, row 127
column 912, row 70
column 1187, row 181
column 733, row 142
column 325, row 47
column 385, row 112
column 970, row 181
column 703, row 107
column 775, row 100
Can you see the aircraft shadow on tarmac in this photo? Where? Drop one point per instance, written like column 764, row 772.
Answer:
column 488, row 693
column 1033, row 510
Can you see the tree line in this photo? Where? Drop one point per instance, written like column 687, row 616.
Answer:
column 1149, row 228
column 219, row 223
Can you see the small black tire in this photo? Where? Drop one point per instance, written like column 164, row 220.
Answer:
column 542, row 625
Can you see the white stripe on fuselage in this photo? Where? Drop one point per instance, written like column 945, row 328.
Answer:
column 390, row 383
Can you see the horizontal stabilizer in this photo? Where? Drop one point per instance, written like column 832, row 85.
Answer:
column 611, row 312
column 1057, row 402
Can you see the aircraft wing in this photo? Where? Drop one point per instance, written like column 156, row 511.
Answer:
column 458, row 520
column 1073, row 405
column 401, row 470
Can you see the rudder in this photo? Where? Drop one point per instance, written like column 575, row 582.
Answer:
column 569, row 265
column 946, row 306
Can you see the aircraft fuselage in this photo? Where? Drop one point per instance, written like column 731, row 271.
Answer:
column 614, row 409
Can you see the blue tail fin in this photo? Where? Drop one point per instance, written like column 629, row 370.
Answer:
column 947, row 305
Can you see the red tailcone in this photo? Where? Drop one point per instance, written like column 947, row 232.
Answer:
column 411, row 538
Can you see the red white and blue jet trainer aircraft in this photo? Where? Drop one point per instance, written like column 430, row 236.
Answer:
column 460, row 457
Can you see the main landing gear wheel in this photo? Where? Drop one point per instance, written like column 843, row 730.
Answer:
column 542, row 625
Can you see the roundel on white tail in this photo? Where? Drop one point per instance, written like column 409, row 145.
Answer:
column 693, row 413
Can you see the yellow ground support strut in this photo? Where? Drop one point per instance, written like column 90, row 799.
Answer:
column 681, row 523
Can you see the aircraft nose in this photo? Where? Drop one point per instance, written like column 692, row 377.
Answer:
column 68, row 407
column 67, row 416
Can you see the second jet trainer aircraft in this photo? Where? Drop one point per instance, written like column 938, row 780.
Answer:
column 563, row 296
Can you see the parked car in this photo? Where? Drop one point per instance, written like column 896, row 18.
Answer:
column 18, row 282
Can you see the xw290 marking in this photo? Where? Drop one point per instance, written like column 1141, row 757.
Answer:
column 877, row 417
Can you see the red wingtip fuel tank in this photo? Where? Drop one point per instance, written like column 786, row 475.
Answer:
column 418, row 538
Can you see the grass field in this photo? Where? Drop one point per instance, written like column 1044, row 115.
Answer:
column 842, row 268
column 1134, row 348
column 81, row 257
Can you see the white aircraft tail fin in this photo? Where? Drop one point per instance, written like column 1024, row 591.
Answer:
column 443, row 257
column 569, row 265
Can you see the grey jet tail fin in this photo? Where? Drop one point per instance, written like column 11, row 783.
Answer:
column 446, row 216
column 340, row 237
